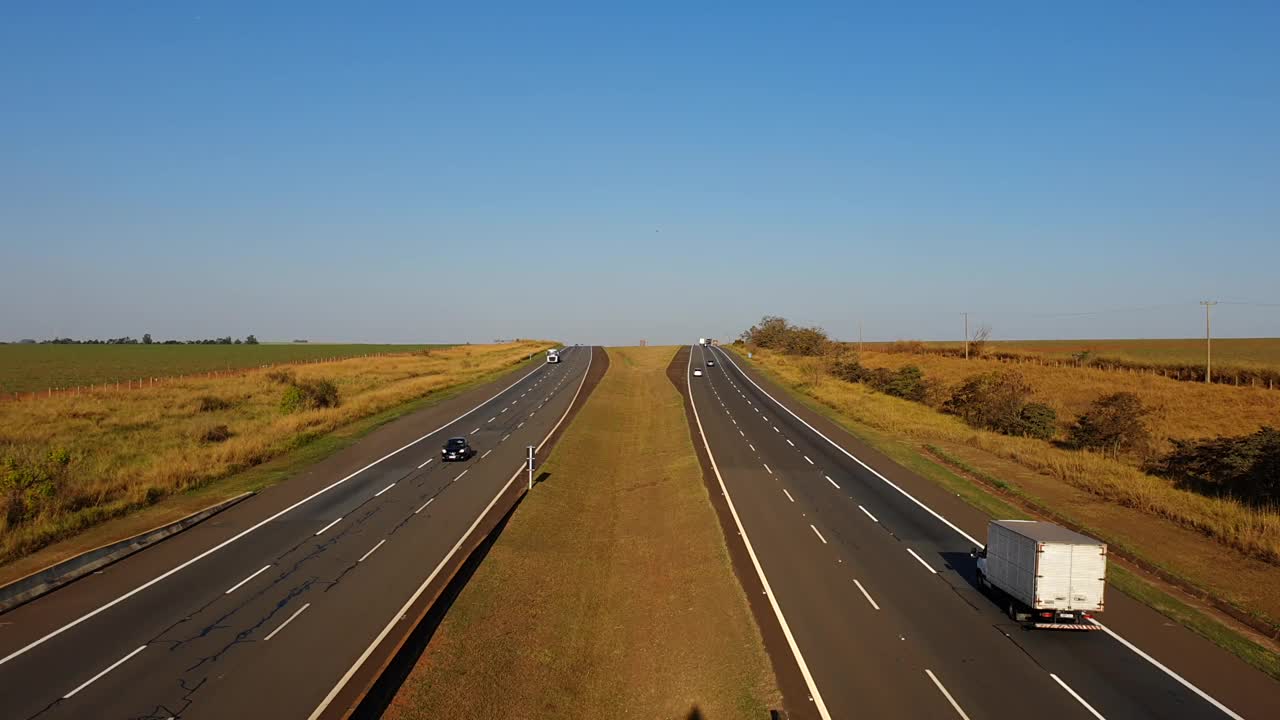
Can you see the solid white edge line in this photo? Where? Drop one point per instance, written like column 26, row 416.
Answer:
column 946, row 694
column 818, row 533
column 35, row 643
column 236, row 587
column 755, row 561
column 326, row 527
column 784, row 490
column 428, row 462
column 111, row 667
column 379, row 493
column 295, row 614
column 866, row 594
column 1075, row 695
column 833, row 482
column 851, row 456
column 922, row 562
column 1138, row 651
column 1185, row 683
column 868, row 512
column 404, row 609
column 375, row 547
column 424, row 506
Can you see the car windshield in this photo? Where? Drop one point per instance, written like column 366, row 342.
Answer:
column 457, row 444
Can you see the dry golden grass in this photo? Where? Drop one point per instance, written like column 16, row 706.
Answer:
column 127, row 449
column 1248, row 530
column 1180, row 410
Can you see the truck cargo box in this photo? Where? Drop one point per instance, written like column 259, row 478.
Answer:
column 1053, row 571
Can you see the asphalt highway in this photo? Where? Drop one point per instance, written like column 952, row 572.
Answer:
column 282, row 606
column 868, row 574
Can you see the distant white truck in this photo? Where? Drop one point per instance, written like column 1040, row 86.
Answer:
column 553, row 356
column 1043, row 575
column 704, row 341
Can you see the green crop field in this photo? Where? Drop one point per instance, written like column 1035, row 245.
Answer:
column 1227, row 352
column 32, row 368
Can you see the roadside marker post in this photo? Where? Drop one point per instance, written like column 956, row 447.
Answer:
column 531, row 468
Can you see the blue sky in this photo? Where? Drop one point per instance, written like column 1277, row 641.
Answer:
column 417, row 172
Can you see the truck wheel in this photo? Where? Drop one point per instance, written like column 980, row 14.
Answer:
column 1013, row 612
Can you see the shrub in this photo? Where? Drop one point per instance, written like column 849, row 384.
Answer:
column 1038, row 421
column 216, row 434
column 1245, row 466
column 309, row 395
column 283, row 377
column 1112, row 424
column 776, row 333
column 907, row 383
column 993, row 401
column 848, row 370
column 209, row 403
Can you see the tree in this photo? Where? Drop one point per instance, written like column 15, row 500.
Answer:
column 978, row 345
column 1114, row 423
column 1244, row 466
column 146, row 338
column 993, row 401
column 251, row 340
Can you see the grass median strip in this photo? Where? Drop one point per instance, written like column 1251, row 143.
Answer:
column 610, row 593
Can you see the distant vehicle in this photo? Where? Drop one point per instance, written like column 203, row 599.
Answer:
column 1044, row 575
column 704, row 341
column 457, row 449
column 711, row 363
column 697, row 372
column 553, row 356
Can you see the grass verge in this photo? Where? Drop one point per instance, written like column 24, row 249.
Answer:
column 71, row 464
column 1246, row 591
column 610, row 593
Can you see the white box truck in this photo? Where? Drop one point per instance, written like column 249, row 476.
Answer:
column 703, row 341
column 553, row 356
column 1043, row 575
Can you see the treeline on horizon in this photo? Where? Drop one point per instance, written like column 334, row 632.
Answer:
column 146, row 340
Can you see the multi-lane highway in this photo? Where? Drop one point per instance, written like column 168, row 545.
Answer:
column 870, row 583
column 287, row 604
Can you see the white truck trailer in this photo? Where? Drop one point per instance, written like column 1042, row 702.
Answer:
column 553, row 356
column 1044, row 575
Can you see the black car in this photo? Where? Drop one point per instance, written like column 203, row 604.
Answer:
column 457, row 449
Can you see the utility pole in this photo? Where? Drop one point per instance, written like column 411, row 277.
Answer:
column 859, row 337
column 1208, row 342
column 966, row 335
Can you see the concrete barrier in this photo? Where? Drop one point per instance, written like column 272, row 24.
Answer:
column 42, row 581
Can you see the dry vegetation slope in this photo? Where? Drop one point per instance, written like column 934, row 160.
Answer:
column 610, row 594
column 1254, row 533
column 68, row 463
column 1180, row 410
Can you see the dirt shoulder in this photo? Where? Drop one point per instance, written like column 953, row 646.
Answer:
column 610, row 592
